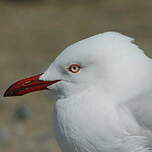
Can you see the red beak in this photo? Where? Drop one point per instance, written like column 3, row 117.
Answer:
column 28, row 85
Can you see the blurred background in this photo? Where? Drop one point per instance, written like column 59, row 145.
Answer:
column 32, row 33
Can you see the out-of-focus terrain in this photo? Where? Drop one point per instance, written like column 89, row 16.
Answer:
column 32, row 33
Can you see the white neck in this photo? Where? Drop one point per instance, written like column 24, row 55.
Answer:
column 98, row 120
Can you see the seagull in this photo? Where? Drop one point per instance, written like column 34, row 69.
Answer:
column 104, row 95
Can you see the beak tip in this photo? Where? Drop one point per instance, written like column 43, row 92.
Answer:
column 8, row 94
column 5, row 95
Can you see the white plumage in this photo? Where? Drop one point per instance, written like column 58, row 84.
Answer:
column 106, row 106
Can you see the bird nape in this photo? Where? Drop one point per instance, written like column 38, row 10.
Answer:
column 103, row 92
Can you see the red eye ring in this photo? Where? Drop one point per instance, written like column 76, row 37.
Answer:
column 74, row 68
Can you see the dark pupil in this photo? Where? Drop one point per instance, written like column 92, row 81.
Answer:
column 74, row 68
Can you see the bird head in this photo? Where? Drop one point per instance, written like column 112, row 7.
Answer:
column 107, row 61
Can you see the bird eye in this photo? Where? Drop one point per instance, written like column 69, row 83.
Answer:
column 74, row 68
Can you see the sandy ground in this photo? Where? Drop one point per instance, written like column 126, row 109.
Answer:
column 32, row 33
